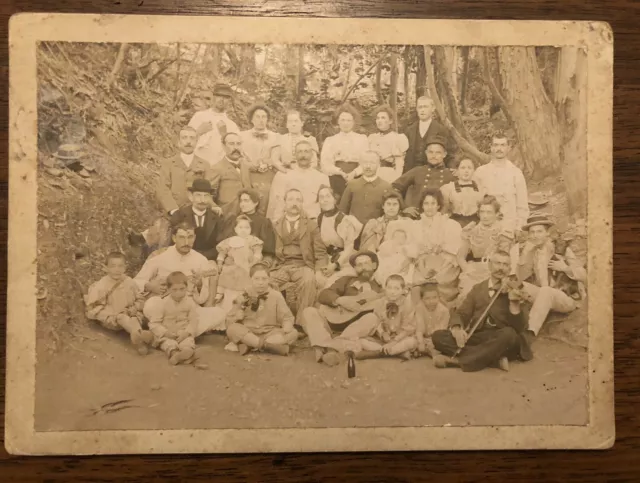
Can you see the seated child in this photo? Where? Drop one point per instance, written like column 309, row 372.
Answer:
column 431, row 315
column 115, row 302
column 236, row 255
column 396, row 256
column 391, row 325
column 461, row 197
column 174, row 320
column 260, row 318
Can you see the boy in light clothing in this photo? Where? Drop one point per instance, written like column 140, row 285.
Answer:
column 174, row 320
column 431, row 315
column 115, row 302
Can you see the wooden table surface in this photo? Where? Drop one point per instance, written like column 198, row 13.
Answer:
column 622, row 463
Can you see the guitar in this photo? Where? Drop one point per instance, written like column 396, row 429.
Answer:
column 340, row 315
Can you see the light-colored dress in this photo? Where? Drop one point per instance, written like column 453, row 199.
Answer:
column 438, row 242
column 243, row 252
column 461, row 201
column 338, row 233
column 258, row 147
column 395, row 259
column 308, row 181
column 342, row 148
column 391, row 147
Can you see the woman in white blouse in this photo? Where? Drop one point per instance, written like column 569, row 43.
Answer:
column 390, row 145
column 438, row 240
column 340, row 155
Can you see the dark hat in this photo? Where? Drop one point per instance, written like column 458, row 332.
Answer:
column 436, row 139
column 201, row 185
column 370, row 254
column 70, row 152
column 222, row 90
column 537, row 220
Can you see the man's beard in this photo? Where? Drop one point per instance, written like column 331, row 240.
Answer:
column 365, row 274
column 235, row 154
column 293, row 211
column 188, row 149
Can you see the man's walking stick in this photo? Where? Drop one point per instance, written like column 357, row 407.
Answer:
column 484, row 314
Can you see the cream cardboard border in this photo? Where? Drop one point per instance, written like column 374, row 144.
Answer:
column 27, row 29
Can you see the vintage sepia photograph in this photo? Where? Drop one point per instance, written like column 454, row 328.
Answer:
column 307, row 235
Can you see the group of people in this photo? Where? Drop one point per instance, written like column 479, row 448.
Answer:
column 372, row 246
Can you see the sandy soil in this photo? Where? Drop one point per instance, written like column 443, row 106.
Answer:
column 75, row 388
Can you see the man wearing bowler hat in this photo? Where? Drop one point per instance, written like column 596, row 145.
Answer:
column 207, row 223
column 213, row 123
column 540, row 268
column 341, row 297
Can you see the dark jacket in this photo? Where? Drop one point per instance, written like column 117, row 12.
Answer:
column 314, row 253
column 208, row 236
column 499, row 316
column 415, row 154
column 261, row 228
column 343, row 288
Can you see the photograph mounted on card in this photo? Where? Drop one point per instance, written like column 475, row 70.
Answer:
column 237, row 234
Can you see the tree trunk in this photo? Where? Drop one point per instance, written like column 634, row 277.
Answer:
column 464, row 81
column 405, row 78
column 117, row 66
column 533, row 113
column 393, row 90
column 192, row 68
column 378, row 81
column 301, row 79
column 421, row 72
column 571, row 103
column 177, row 80
column 215, row 60
column 447, row 91
column 467, row 146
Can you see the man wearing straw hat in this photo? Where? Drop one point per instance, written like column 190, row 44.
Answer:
column 213, row 123
column 539, row 267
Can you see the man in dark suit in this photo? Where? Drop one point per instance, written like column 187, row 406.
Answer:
column 502, row 335
column 418, row 132
column 230, row 174
column 207, row 224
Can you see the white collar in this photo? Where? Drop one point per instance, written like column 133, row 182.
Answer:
column 290, row 219
column 501, row 164
column 369, row 180
column 425, row 123
column 187, row 159
column 198, row 212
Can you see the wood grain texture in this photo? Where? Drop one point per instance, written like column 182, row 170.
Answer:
column 619, row 464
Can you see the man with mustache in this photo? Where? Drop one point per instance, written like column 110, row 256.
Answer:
column 499, row 338
column 212, row 123
column 504, row 180
column 303, row 177
column 320, row 330
column 299, row 254
column 231, row 174
column 177, row 175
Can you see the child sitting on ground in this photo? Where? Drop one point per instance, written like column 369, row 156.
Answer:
column 236, row 255
column 260, row 318
column 396, row 256
column 174, row 321
column 391, row 325
column 116, row 302
column 431, row 315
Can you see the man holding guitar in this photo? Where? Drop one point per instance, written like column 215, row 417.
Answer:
column 341, row 304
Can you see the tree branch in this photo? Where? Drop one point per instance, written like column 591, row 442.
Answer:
column 117, row 65
column 346, row 95
column 466, row 146
column 188, row 78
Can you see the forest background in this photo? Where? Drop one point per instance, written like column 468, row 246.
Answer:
column 126, row 102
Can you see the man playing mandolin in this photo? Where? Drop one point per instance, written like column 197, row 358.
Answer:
column 341, row 304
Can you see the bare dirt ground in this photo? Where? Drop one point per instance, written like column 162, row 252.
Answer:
column 76, row 389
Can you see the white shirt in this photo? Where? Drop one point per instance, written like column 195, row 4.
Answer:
column 209, row 145
column 423, row 127
column 308, row 181
column 187, row 159
column 343, row 146
column 505, row 181
column 292, row 223
column 369, row 180
column 199, row 216
column 170, row 260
